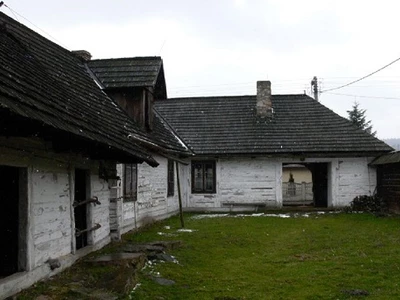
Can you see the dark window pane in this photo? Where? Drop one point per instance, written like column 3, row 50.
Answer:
column 130, row 182
column 203, row 177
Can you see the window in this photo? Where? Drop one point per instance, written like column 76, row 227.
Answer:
column 170, row 188
column 130, row 182
column 203, row 177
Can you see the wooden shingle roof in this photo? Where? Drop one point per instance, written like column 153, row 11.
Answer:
column 139, row 72
column 300, row 125
column 41, row 81
column 127, row 72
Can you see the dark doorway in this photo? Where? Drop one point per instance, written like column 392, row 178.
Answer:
column 10, row 261
column 305, row 184
column 80, row 211
column 320, row 183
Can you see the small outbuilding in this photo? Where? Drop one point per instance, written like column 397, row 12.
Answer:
column 388, row 187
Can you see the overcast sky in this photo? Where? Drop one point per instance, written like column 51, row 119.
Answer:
column 222, row 47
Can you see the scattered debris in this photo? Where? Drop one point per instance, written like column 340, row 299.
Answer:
column 274, row 215
column 186, row 230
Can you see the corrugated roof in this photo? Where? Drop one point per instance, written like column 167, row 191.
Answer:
column 127, row 72
column 45, row 82
column 229, row 125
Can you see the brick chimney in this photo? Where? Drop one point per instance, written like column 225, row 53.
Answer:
column 264, row 101
column 83, row 55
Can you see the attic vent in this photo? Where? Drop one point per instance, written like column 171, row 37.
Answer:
column 264, row 99
column 82, row 55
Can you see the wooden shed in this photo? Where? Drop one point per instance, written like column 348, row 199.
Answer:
column 388, row 179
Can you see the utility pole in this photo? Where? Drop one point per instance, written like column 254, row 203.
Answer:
column 314, row 87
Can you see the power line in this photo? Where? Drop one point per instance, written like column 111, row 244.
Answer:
column 361, row 96
column 15, row 13
column 362, row 78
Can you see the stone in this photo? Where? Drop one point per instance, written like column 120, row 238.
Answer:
column 136, row 260
column 54, row 264
column 167, row 245
column 161, row 256
column 163, row 281
column 356, row 292
column 43, row 297
column 137, row 248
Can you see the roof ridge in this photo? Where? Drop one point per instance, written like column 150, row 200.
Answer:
column 127, row 58
column 236, row 96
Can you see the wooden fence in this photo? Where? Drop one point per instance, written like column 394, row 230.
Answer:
column 297, row 193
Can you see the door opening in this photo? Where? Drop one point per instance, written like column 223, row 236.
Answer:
column 320, row 183
column 81, row 211
column 305, row 184
column 13, row 219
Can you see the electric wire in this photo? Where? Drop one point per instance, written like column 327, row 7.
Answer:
column 15, row 13
column 363, row 96
column 362, row 78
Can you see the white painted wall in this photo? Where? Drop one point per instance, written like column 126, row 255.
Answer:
column 244, row 180
column 152, row 201
column 355, row 178
column 241, row 180
column 50, row 232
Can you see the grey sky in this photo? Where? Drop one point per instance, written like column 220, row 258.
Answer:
column 223, row 47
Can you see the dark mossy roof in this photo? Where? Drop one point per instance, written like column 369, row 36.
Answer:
column 42, row 81
column 300, row 125
column 390, row 158
column 137, row 73
column 127, row 72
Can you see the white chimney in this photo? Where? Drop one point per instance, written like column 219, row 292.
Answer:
column 264, row 101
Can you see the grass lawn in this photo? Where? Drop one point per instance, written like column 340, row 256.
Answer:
column 319, row 257
column 330, row 256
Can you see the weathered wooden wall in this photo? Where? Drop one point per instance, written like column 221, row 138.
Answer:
column 241, row 182
column 247, row 182
column 354, row 178
column 49, row 232
column 152, row 201
column 389, row 185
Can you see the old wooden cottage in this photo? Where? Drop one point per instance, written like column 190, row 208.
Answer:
column 60, row 139
column 243, row 143
column 146, row 193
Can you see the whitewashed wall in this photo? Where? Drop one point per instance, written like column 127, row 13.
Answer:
column 50, row 225
column 152, row 202
column 241, row 182
column 355, row 178
column 245, row 181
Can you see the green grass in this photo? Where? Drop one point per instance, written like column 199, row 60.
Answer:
column 273, row 258
column 320, row 257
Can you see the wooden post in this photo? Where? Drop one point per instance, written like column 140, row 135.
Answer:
column 179, row 195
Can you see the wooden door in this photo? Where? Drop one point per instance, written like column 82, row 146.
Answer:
column 81, row 211
column 9, row 217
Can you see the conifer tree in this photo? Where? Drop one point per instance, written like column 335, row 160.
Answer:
column 358, row 118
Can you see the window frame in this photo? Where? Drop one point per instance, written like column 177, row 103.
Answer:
column 130, row 196
column 170, row 178
column 203, row 163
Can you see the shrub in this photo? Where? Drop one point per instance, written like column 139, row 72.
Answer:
column 372, row 204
